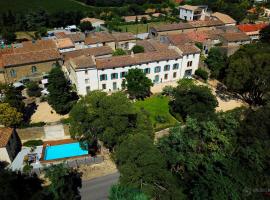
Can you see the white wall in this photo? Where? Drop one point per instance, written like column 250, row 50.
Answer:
column 186, row 14
column 4, row 155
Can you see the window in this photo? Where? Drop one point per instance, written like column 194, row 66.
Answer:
column 114, row 86
column 156, row 80
column 34, row 69
column 165, row 76
column 114, row 76
column 188, row 73
column 123, row 74
column 86, row 80
column 88, row 89
column 12, row 73
column 157, row 69
column 103, row 77
column 103, row 86
column 166, row 67
column 85, row 72
column 176, row 66
column 189, row 64
column 174, row 74
column 147, row 70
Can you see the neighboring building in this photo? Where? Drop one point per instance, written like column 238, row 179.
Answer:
column 191, row 13
column 252, row 30
column 124, row 40
column 98, row 39
column 10, row 144
column 94, row 21
column 168, row 64
column 64, row 45
column 226, row 19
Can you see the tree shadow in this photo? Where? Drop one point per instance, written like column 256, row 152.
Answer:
column 29, row 110
column 223, row 93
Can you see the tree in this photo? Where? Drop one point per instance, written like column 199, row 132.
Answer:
column 248, row 73
column 194, row 101
column 86, row 26
column 119, row 52
column 215, row 61
column 110, row 118
column 8, row 36
column 9, row 115
column 265, row 34
column 202, row 74
column 64, row 182
column 137, row 84
column 119, row 192
column 142, row 166
column 138, row 49
column 60, row 96
column 33, row 89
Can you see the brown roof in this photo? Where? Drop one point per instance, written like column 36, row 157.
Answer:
column 234, row 37
column 76, row 37
column 181, row 38
column 64, row 43
column 30, row 57
column 82, row 62
column 140, row 58
column 171, row 27
column 5, row 134
column 226, row 19
column 99, row 37
column 37, row 45
column 189, row 49
column 95, row 51
column 123, row 36
column 151, row 45
column 209, row 23
column 60, row 35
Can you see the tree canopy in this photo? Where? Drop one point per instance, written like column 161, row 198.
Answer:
column 265, row 34
column 60, row 96
column 137, row 84
column 138, row 49
column 119, row 192
column 86, row 26
column 9, row 115
column 119, row 52
column 248, row 73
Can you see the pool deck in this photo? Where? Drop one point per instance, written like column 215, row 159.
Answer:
column 58, row 142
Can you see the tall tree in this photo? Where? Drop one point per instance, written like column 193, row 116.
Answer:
column 60, row 96
column 137, row 84
column 86, row 26
column 9, row 115
column 265, row 34
column 119, row 192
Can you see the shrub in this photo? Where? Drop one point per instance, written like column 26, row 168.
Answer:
column 161, row 119
column 31, row 143
column 168, row 90
column 202, row 74
column 119, row 52
column 27, row 168
column 33, row 89
column 138, row 49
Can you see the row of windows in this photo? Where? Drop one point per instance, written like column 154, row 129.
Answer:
column 13, row 72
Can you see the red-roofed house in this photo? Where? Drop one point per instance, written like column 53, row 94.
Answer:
column 252, row 30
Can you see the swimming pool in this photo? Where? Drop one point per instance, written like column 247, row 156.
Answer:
column 64, row 151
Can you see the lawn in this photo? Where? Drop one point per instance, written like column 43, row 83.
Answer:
column 139, row 28
column 48, row 5
column 158, row 108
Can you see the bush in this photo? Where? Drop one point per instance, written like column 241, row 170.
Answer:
column 202, row 74
column 33, row 89
column 168, row 90
column 119, row 52
column 161, row 119
column 32, row 143
column 27, row 168
column 27, row 125
column 138, row 49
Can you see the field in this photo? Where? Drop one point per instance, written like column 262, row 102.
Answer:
column 158, row 108
column 25, row 6
column 139, row 28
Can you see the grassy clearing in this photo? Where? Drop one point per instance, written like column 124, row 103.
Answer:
column 25, row 6
column 25, row 35
column 139, row 28
column 158, row 108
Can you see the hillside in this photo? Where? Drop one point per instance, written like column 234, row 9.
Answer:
column 48, row 5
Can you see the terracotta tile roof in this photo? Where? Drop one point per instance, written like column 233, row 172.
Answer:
column 136, row 59
column 171, row 27
column 234, row 37
column 64, row 43
column 92, row 20
column 189, row 7
column 95, row 51
column 37, row 45
column 99, row 37
column 82, row 62
column 76, row 37
column 123, row 36
column 251, row 27
column 189, row 49
column 30, row 57
column 5, row 134
column 226, row 19
column 60, row 35
column 151, row 45
column 181, row 38
column 208, row 23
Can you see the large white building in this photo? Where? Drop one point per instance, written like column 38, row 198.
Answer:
column 88, row 73
column 191, row 13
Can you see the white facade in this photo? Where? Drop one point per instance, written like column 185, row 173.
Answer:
column 186, row 14
column 89, row 79
column 191, row 13
column 4, row 155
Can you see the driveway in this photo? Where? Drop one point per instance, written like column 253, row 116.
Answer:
column 98, row 188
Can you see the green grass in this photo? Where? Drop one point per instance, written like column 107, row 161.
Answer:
column 25, row 6
column 139, row 28
column 158, row 107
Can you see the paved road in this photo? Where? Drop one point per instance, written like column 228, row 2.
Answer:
column 98, row 188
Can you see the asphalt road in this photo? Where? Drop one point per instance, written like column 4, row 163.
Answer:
column 98, row 188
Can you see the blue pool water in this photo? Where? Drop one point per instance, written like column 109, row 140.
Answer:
column 64, row 151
